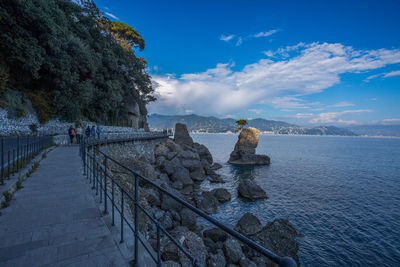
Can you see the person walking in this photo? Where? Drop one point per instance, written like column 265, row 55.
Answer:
column 87, row 131
column 71, row 133
column 93, row 132
column 78, row 134
column 98, row 131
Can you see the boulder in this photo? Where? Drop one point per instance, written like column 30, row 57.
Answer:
column 250, row 190
column 170, row 253
column 216, row 166
column 248, row 224
column 181, row 135
column 161, row 150
column 172, row 146
column 195, row 247
column 188, row 218
column 171, row 264
column 207, row 202
column 233, row 250
column 192, row 164
column 177, row 185
column 152, row 196
column 171, row 155
column 198, row 175
column 221, row 194
column 168, row 203
column 216, row 260
column 215, row 178
column 204, row 153
column 144, row 168
column 216, row 234
column 279, row 236
column 245, row 262
column 245, row 149
column 189, row 155
column 166, row 220
column 181, row 174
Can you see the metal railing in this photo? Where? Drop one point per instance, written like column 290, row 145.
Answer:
column 17, row 151
column 97, row 171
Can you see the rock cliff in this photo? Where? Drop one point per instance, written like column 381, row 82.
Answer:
column 244, row 152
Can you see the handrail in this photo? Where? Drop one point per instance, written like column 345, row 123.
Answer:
column 19, row 151
column 90, row 162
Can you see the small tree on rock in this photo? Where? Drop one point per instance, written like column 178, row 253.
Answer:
column 240, row 124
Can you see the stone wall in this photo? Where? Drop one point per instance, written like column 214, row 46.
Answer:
column 20, row 126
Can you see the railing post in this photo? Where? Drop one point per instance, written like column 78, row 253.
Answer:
column 13, row 169
column 158, row 246
column 136, row 221
column 8, row 164
column 105, row 185
column 112, row 203
column 93, row 168
column 18, row 161
column 101, row 182
column 83, row 144
column 122, row 215
column 2, row 160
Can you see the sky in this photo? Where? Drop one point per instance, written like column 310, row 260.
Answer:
column 304, row 62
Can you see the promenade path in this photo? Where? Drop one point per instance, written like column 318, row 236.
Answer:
column 55, row 221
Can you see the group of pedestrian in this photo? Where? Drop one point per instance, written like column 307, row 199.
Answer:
column 89, row 132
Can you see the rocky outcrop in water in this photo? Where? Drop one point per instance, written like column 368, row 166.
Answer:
column 249, row 190
column 244, row 152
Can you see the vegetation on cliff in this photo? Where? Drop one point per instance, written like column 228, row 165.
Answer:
column 70, row 60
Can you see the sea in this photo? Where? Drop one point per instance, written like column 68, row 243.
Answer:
column 341, row 193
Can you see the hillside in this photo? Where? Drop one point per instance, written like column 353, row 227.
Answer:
column 197, row 123
column 376, row 130
column 68, row 61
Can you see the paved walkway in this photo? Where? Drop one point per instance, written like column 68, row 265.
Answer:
column 55, row 221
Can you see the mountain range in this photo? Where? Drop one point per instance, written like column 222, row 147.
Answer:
column 202, row 124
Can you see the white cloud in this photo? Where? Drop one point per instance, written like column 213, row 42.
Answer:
column 266, row 34
column 331, row 117
column 188, row 111
column 393, row 73
column 350, row 122
column 391, row 121
column 304, row 115
column 343, row 104
column 227, row 38
column 279, row 83
column 239, row 41
column 256, row 111
column 111, row 15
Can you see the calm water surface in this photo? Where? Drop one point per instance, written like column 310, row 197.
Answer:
column 342, row 193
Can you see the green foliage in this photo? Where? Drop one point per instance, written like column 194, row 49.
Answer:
column 7, row 199
column 240, row 124
column 33, row 127
column 68, row 63
column 19, row 185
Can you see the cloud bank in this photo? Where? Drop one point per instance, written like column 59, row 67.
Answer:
column 278, row 82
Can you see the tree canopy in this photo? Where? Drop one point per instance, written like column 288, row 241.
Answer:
column 70, row 60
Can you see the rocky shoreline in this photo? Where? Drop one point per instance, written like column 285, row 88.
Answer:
column 180, row 166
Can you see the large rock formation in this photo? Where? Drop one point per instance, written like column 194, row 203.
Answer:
column 244, row 152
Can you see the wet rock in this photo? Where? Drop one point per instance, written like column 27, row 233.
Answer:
column 248, row 224
column 181, row 135
column 216, row 166
column 216, row 178
column 221, row 194
column 216, row 260
column 216, row 234
column 207, row 202
column 245, row 149
column 233, row 251
column 249, row 189
column 279, row 236
column 195, row 246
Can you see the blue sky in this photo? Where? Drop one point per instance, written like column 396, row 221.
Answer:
column 305, row 62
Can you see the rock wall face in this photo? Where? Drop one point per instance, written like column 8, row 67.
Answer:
column 244, row 152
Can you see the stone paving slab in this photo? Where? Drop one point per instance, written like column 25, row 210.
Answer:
column 55, row 221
